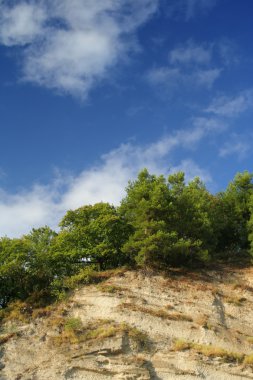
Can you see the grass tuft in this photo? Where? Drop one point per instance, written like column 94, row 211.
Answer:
column 160, row 313
column 209, row 351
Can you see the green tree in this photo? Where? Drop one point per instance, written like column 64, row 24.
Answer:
column 13, row 272
column 94, row 234
column 158, row 212
column 42, row 264
column 232, row 216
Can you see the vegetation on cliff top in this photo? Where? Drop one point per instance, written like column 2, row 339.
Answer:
column 159, row 223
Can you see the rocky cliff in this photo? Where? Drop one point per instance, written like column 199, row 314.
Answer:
column 136, row 325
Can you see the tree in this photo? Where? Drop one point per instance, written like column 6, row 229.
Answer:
column 13, row 273
column 94, row 234
column 161, row 214
column 233, row 216
column 42, row 264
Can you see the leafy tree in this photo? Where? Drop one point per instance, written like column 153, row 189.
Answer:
column 191, row 206
column 42, row 265
column 13, row 278
column 161, row 213
column 233, row 215
column 94, row 234
column 145, row 207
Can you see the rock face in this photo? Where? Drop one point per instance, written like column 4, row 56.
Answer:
column 140, row 326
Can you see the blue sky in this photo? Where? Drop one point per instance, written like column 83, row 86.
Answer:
column 91, row 91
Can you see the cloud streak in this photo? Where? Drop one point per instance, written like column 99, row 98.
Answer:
column 191, row 8
column 190, row 65
column 232, row 106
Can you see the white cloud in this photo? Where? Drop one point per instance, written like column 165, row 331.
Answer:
column 21, row 24
column 190, row 66
column 207, row 77
column 191, row 8
column 237, row 145
column 72, row 44
column 209, row 125
column 105, row 182
column 232, row 106
column 173, row 78
column 190, row 53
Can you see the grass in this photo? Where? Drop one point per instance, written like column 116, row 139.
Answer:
column 160, row 313
column 209, row 351
column 203, row 321
column 6, row 337
column 72, row 331
column 237, row 301
column 112, row 289
column 242, row 286
column 248, row 360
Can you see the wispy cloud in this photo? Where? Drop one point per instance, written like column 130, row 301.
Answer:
column 191, row 8
column 189, row 65
column 190, row 52
column 232, row 106
column 173, row 78
column 237, row 145
column 70, row 45
column 106, row 181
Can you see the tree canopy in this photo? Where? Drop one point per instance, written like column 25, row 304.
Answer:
column 160, row 222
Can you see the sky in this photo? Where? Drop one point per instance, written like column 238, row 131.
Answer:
column 92, row 91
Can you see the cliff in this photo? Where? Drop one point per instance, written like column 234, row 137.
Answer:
column 136, row 325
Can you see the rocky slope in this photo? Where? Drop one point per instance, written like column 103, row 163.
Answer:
column 136, row 325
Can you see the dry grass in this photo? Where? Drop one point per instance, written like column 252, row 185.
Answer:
column 209, row 351
column 160, row 313
column 236, row 301
column 248, row 360
column 72, row 331
column 6, row 337
column 242, row 286
column 112, row 289
column 203, row 321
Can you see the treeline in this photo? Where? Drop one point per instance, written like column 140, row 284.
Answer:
column 160, row 222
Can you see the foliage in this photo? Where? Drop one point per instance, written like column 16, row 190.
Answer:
column 95, row 234
column 159, row 223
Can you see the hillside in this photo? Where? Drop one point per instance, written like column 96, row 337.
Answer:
column 136, row 325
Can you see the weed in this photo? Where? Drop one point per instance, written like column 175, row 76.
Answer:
column 6, row 337
column 108, row 288
column 74, row 324
column 237, row 301
column 181, row 345
column 209, row 351
column 248, row 360
column 160, row 313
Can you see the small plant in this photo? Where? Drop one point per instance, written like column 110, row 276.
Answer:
column 108, row 288
column 209, row 351
column 18, row 311
column 237, row 301
column 160, row 313
column 181, row 345
column 139, row 337
column 6, row 337
column 73, row 324
column 248, row 360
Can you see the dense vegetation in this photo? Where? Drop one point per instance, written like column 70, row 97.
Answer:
column 159, row 223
